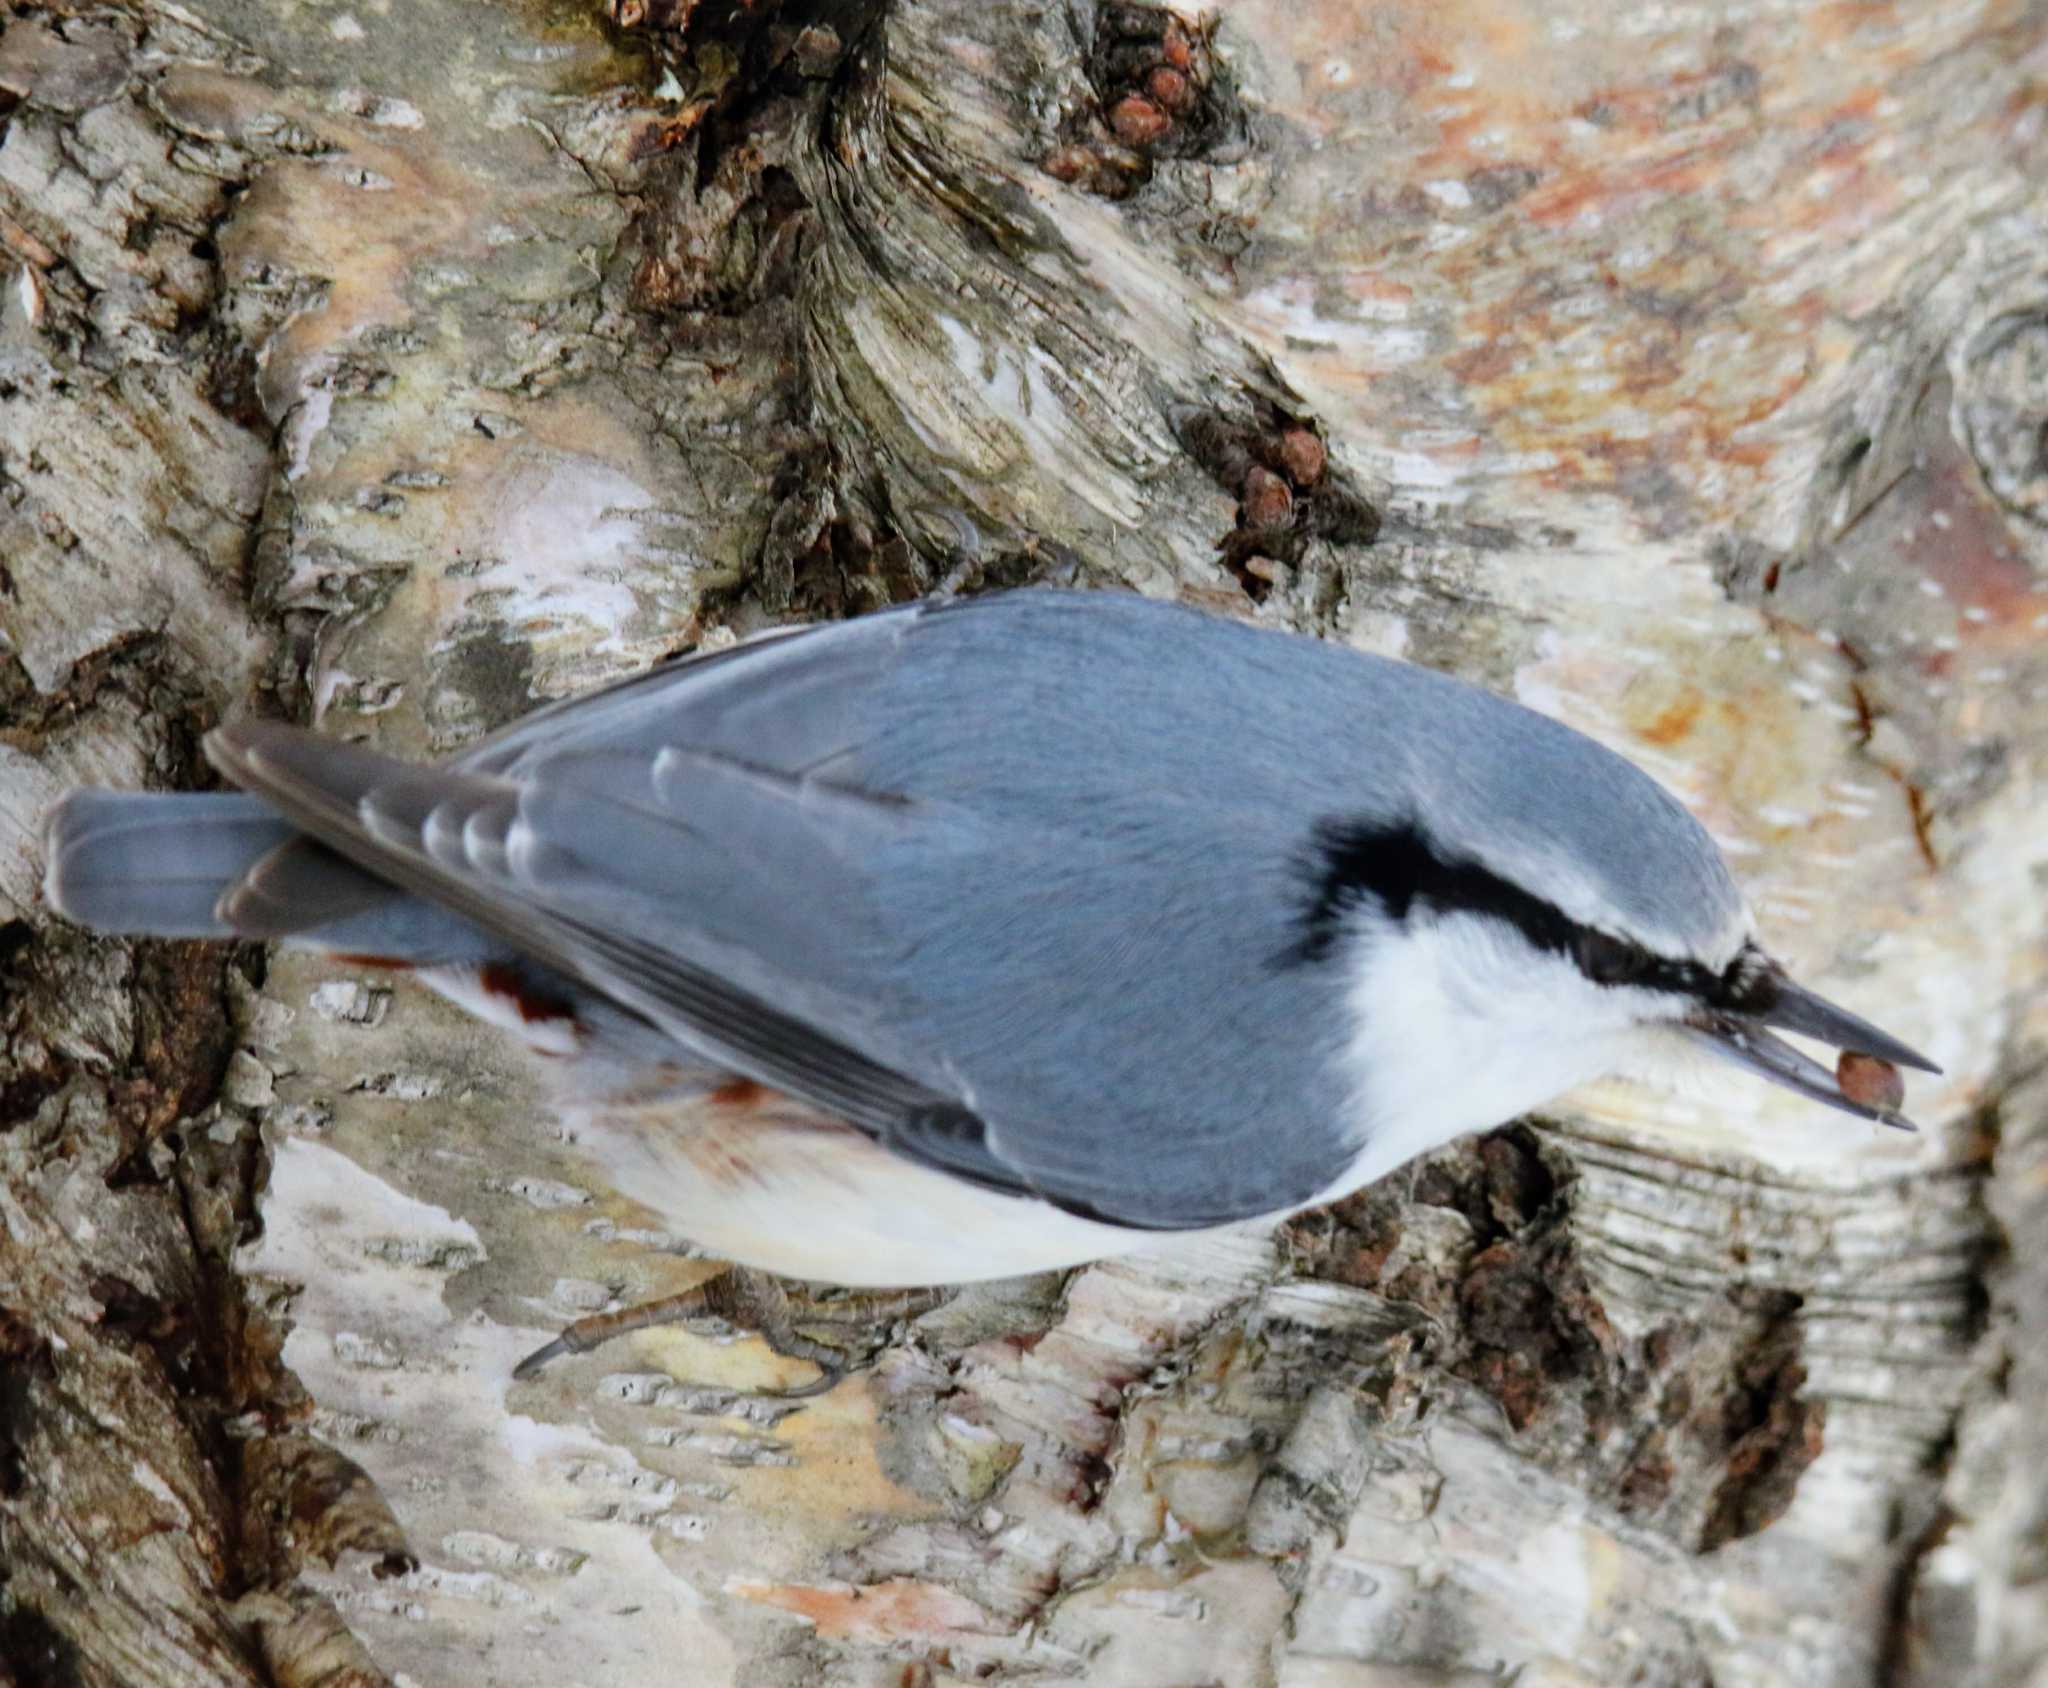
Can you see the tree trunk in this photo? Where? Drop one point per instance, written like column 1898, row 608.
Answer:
column 1683, row 372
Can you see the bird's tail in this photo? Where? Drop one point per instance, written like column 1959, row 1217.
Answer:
column 154, row 864
column 226, row 865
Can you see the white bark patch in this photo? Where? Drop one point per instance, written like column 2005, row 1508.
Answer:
column 27, row 789
column 566, row 1526
column 351, row 1000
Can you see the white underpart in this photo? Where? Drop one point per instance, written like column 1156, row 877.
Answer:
column 1460, row 1025
column 776, row 1189
column 775, row 1186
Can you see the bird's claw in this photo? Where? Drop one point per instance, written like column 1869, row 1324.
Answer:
column 751, row 1300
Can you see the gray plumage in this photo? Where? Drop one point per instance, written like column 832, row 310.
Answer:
column 157, row 863
column 1015, row 885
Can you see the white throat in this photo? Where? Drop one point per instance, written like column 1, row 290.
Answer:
column 1459, row 1025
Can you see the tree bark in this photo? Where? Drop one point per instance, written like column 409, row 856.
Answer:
column 1681, row 372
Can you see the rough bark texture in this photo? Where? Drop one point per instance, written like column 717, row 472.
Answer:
column 1683, row 372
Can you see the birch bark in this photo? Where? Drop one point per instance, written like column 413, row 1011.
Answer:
column 1682, row 371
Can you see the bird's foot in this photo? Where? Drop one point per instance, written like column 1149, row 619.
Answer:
column 790, row 1318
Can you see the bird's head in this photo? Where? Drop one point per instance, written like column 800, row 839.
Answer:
column 1547, row 912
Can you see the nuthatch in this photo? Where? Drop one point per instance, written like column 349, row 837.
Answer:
column 984, row 937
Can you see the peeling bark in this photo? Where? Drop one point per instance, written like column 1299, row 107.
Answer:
column 1683, row 375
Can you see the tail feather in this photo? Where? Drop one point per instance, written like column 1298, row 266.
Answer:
column 154, row 864
column 299, row 886
column 227, row 865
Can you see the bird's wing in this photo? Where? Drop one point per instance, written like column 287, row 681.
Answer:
column 1080, row 1006
column 583, row 867
column 790, row 698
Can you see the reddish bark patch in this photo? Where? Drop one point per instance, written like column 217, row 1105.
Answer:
column 1484, row 364
column 1158, row 90
column 732, row 227
column 1277, row 467
column 901, row 1609
column 182, row 1044
column 1673, row 721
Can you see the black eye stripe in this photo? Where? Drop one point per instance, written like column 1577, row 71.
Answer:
column 1609, row 960
column 1397, row 865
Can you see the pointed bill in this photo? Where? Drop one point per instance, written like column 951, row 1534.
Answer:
column 1794, row 1008
column 1746, row 1043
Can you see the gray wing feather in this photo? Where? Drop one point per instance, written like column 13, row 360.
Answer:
column 789, row 699
column 298, row 887
column 528, row 862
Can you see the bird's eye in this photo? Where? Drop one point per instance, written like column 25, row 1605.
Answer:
column 1610, row 961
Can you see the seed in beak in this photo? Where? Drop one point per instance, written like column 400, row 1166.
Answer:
column 1869, row 1082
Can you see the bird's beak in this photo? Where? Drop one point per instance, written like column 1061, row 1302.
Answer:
column 1742, row 1036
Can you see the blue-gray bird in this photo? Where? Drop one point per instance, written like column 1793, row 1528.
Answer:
column 984, row 937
